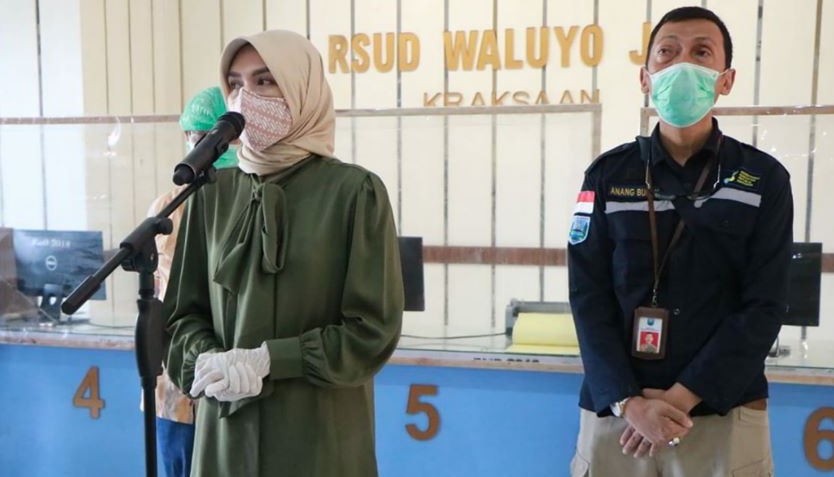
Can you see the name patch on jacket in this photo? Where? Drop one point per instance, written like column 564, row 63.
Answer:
column 627, row 191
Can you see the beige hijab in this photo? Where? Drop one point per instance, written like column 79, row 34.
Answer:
column 297, row 67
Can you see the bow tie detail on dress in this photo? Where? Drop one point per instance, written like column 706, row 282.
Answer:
column 258, row 236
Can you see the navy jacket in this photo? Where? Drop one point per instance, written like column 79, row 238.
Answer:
column 724, row 283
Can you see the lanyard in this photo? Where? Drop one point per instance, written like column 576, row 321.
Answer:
column 658, row 268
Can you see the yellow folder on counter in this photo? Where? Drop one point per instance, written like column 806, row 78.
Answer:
column 544, row 333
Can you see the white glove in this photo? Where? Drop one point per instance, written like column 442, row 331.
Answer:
column 231, row 375
column 242, row 383
column 207, row 369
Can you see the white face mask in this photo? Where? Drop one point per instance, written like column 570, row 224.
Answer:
column 268, row 120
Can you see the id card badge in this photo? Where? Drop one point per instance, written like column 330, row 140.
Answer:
column 649, row 337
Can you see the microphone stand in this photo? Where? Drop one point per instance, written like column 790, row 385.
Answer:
column 138, row 253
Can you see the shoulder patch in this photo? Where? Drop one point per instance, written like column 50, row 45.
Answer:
column 579, row 228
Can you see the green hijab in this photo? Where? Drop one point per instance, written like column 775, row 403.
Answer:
column 201, row 113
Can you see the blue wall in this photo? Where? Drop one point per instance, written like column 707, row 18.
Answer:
column 43, row 435
column 501, row 423
column 491, row 422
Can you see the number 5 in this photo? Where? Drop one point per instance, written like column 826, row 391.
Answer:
column 415, row 406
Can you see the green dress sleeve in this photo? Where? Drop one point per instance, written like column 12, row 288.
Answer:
column 189, row 318
column 350, row 352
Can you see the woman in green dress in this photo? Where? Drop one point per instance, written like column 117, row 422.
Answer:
column 286, row 295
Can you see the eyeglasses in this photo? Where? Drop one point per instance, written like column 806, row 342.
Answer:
column 693, row 196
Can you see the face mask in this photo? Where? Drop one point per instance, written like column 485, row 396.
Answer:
column 683, row 93
column 268, row 120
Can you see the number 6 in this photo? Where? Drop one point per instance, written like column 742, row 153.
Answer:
column 813, row 436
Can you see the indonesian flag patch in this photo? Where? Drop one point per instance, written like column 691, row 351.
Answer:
column 585, row 203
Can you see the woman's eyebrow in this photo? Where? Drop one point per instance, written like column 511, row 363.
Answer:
column 235, row 74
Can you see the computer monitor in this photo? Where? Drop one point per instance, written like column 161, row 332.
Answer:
column 411, row 259
column 804, row 285
column 51, row 263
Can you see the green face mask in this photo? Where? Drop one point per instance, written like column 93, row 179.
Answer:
column 683, row 93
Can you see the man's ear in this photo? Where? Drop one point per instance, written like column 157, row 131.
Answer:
column 726, row 82
column 645, row 80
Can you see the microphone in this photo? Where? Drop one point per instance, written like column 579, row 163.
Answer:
column 211, row 146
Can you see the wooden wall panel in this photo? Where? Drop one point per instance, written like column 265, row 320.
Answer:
column 64, row 178
column 287, row 15
column 469, row 306
column 740, row 16
column 660, row 7
column 94, row 57
column 23, row 197
column 425, row 21
column 336, row 21
column 555, row 283
column 61, row 77
column 142, row 46
column 787, row 62
column 470, row 20
column 423, row 188
column 566, row 73
column 376, row 149
column 377, row 87
column 470, row 180
column 167, row 57
column 122, row 211
column 515, row 74
column 821, row 225
column 118, row 59
column 19, row 59
column 520, row 283
column 240, row 18
column 430, row 322
column 825, row 93
column 202, row 44
column 618, row 78
column 518, row 180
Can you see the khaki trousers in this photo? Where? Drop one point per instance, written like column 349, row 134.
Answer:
column 735, row 445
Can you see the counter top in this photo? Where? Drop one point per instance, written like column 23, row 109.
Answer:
column 807, row 363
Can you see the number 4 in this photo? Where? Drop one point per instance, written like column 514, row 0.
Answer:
column 415, row 406
column 89, row 386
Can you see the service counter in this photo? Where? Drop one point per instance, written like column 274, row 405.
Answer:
column 461, row 407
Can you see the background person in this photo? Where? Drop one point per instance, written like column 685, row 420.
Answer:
column 174, row 409
column 286, row 293
column 717, row 281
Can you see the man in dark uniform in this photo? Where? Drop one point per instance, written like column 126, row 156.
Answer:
column 686, row 235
